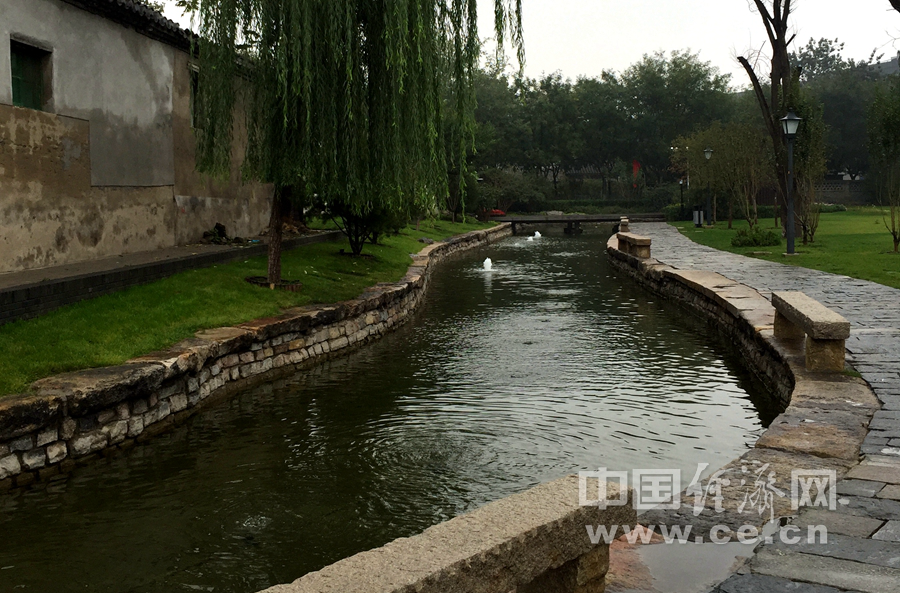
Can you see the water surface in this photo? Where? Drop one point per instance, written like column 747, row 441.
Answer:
column 547, row 365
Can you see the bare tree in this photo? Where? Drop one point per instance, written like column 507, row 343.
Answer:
column 810, row 163
column 774, row 107
column 741, row 168
column 884, row 145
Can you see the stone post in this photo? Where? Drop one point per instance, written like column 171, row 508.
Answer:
column 582, row 575
column 824, row 355
column 785, row 328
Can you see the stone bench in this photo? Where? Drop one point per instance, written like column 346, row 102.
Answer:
column 533, row 542
column 797, row 315
column 635, row 245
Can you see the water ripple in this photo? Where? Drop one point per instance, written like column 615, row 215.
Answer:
column 543, row 367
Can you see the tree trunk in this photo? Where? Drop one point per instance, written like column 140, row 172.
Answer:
column 281, row 198
column 731, row 215
column 776, row 24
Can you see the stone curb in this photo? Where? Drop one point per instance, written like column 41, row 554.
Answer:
column 70, row 418
column 524, row 542
column 824, row 417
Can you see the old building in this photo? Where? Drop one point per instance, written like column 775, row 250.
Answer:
column 96, row 141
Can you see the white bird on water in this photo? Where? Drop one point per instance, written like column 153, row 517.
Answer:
column 488, row 264
column 537, row 234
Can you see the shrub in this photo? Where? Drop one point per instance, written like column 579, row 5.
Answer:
column 765, row 211
column 660, row 196
column 673, row 212
column 761, row 211
column 832, row 208
column 502, row 188
column 755, row 238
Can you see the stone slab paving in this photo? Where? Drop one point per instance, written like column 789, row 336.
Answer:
column 863, row 548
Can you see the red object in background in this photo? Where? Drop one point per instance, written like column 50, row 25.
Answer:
column 497, row 212
column 635, row 170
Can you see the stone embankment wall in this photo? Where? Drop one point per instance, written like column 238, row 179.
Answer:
column 533, row 542
column 71, row 418
column 825, row 415
column 696, row 290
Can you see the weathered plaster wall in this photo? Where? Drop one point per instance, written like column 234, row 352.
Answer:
column 51, row 214
column 110, row 75
column 201, row 201
column 109, row 168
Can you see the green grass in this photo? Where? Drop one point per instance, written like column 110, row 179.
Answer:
column 114, row 328
column 853, row 243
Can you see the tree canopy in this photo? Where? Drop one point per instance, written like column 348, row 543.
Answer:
column 597, row 126
column 845, row 88
column 344, row 99
column 670, row 96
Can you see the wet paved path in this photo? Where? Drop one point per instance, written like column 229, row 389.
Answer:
column 863, row 549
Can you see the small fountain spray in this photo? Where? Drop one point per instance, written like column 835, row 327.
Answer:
column 537, row 234
column 488, row 264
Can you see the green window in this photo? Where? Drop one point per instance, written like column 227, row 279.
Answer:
column 27, row 75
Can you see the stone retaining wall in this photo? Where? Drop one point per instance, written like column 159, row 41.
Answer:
column 71, row 418
column 533, row 542
column 687, row 287
column 825, row 415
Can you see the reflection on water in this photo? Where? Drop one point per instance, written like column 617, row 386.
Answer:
column 545, row 365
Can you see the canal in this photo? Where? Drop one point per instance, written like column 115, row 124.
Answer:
column 546, row 365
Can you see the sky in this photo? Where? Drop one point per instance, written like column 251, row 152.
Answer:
column 586, row 37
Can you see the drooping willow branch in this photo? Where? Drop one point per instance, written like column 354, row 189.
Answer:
column 346, row 99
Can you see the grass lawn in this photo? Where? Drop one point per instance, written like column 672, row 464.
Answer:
column 853, row 243
column 111, row 329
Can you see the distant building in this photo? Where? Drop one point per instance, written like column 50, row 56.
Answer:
column 888, row 68
column 96, row 138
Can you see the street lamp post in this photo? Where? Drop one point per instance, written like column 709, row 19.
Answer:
column 708, row 154
column 681, row 184
column 790, row 124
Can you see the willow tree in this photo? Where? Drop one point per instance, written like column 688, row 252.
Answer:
column 341, row 99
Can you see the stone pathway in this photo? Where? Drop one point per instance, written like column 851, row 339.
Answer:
column 863, row 549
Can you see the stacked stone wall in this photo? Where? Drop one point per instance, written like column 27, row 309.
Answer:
column 765, row 361
column 823, row 416
column 70, row 419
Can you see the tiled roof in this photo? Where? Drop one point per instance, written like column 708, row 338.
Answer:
column 140, row 17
